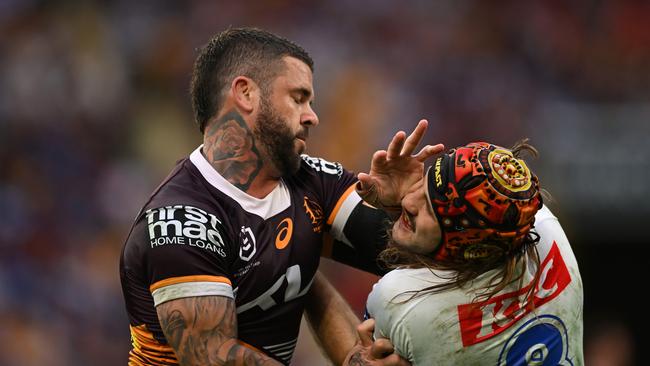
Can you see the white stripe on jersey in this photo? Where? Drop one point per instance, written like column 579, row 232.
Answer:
column 342, row 216
column 284, row 351
column 275, row 202
column 282, row 345
column 191, row 289
column 284, row 354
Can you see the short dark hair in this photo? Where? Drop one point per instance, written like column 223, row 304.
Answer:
column 251, row 52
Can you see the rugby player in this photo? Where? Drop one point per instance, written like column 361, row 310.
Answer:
column 482, row 271
column 218, row 263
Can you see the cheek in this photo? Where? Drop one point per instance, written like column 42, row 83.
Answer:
column 428, row 238
column 290, row 115
column 408, row 240
column 423, row 246
column 401, row 236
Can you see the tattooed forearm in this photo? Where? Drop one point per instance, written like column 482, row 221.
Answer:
column 230, row 147
column 203, row 331
column 357, row 360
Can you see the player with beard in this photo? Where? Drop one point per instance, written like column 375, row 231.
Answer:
column 220, row 260
column 483, row 272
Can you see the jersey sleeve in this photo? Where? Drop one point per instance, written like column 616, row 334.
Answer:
column 336, row 189
column 359, row 231
column 389, row 310
column 185, row 253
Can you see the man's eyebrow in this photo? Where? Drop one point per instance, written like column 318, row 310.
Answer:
column 304, row 92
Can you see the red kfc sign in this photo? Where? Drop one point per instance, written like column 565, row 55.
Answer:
column 484, row 320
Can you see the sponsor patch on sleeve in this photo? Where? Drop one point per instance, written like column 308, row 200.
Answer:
column 322, row 165
column 185, row 225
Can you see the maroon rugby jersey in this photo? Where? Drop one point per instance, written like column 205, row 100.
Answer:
column 198, row 235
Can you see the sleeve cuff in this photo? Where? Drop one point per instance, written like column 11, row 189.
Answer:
column 191, row 289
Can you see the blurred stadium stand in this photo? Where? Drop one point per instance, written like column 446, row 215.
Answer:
column 94, row 111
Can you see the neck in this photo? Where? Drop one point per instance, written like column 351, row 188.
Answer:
column 230, row 147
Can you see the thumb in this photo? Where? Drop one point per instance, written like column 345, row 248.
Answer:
column 365, row 330
column 365, row 181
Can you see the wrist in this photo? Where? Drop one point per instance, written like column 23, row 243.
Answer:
column 371, row 196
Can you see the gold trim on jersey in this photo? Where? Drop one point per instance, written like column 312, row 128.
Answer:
column 147, row 351
column 339, row 203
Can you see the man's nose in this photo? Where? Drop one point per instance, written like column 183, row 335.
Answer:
column 310, row 118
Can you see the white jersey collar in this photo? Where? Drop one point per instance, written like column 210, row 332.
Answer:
column 275, row 202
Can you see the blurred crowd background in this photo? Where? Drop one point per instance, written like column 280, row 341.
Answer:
column 94, row 111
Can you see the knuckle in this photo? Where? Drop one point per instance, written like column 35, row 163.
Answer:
column 383, row 343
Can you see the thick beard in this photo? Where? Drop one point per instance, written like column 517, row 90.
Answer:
column 277, row 139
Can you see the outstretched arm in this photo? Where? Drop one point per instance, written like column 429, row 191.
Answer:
column 394, row 170
column 203, row 331
column 331, row 320
column 339, row 332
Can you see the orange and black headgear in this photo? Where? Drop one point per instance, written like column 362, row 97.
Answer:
column 485, row 200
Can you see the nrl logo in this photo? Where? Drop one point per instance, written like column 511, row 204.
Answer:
column 247, row 243
column 315, row 214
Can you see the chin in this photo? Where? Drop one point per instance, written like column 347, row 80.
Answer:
column 296, row 166
column 299, row 147
column 290, row 165
column 397, row 241
column 408, row 245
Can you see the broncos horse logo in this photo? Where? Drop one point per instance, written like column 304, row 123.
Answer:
column 315, row 214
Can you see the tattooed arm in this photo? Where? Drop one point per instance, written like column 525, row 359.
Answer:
column 203, row 331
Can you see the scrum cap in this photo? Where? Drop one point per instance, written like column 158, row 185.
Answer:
column 485, row 200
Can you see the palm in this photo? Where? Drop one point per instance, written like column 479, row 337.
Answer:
column 394, row 177
column 394, row 170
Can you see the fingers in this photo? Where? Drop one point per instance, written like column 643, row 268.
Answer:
column 414, row 138
column 365, row 180
column 429, row 151
column 367, row 190
column 381, row 348
column 365, row 330
column 395, row 146
column 378, row 159
column 393, row 360
column 379, row 156
column 401, row 145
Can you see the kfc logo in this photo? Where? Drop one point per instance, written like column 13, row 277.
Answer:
column 480, row 321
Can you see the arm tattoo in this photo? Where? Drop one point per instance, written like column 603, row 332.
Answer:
column 203, row 331
column 230, row 148
column 357, row 360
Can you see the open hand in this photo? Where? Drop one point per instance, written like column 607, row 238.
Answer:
column 395, row 170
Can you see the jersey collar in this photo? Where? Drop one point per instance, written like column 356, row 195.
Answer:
column 275, row 202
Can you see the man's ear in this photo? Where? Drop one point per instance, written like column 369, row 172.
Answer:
column 246, row 93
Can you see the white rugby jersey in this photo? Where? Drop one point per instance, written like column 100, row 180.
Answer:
column 447, row 329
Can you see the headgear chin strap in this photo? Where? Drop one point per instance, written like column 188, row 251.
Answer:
column 485, row 201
